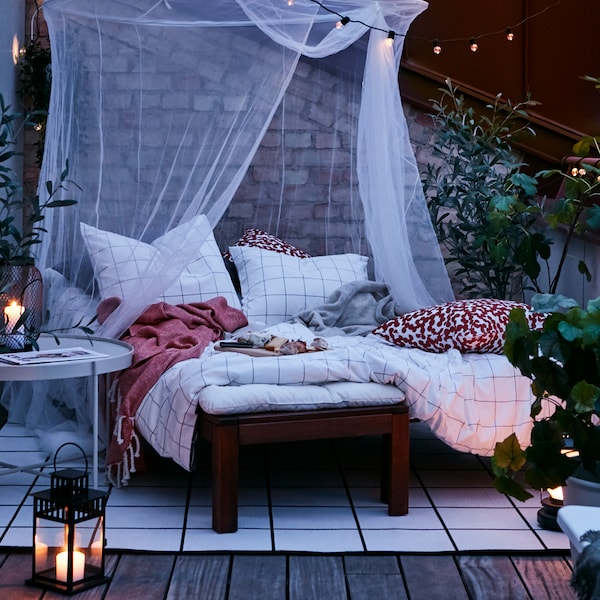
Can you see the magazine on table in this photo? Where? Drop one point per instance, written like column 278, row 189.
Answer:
column 47, row 356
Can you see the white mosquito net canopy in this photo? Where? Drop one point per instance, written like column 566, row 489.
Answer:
column 254, row 113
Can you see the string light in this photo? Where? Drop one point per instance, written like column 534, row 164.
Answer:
column 473, row 41
column 342, row 23
column 437, row 43
column 344, row 20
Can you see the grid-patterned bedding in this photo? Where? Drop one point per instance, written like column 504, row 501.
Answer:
column 470, row 401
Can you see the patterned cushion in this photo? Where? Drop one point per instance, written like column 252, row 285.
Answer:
column 256, row 238
column 466, row 325
column 276, row 286
column 124, row 267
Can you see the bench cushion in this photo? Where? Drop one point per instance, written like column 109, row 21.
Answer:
column 222, row 400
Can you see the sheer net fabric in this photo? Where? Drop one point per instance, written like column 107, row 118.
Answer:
column 251, row 112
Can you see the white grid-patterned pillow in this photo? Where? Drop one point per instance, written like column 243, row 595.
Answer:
column 276, row 286
column 124, row 266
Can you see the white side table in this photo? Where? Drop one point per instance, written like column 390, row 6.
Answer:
column 118, row 356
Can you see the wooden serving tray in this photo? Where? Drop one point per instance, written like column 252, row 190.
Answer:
column 247, row 351
column 259, row 351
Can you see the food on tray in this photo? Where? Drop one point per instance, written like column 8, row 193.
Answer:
column 274, row 343
column 293, row 347
column 319, row 343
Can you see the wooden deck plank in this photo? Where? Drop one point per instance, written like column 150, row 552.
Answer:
column 236, row 576
column 372, row 577
column 316, row 578
column 141, row 576
column 260, row 576
column 13, row 573
column 199, row 576
column 491, row 578
column 546, row 577
column 431, row 576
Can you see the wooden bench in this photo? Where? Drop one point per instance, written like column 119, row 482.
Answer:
column 226, row 433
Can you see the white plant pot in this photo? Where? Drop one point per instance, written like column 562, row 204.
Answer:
column 582, row 492
column 581, row 512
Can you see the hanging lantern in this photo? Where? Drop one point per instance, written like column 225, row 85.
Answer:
column 68, row 533
column 21, row 305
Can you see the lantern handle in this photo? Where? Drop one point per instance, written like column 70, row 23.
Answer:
column 76, row 446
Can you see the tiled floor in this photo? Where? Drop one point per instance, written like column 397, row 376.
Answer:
column 312, row 496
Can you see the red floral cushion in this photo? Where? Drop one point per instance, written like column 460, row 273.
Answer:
column 266, row 241
column 465, row 325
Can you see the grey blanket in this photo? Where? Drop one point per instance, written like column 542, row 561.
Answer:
column 353, row 309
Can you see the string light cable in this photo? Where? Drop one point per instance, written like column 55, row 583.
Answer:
column 438, row 43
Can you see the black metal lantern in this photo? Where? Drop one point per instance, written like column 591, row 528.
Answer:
column 551, row 504
column 68, row 533
column 21, row 305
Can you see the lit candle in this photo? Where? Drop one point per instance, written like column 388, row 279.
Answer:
column 12, row 313
column 41, row 553
column 62, row 564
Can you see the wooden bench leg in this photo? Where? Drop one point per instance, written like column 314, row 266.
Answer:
column 225, row 476
column 396, row 471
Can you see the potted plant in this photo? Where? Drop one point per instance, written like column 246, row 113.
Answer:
column 21, row 228
column 485, row 209
column 563, row 362
column 483, row 205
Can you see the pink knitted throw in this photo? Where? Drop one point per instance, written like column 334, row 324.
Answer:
column 161, row 337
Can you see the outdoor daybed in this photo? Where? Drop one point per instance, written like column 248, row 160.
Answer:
column 440, row 364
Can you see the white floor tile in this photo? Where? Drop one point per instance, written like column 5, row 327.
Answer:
column 144, row 517
column 310, row 496
column 207, row 540
column 313, row 518
column 482, row 518
column 417, row 518
column 294, row 540
column 407, row 540
column 468, row 497
column 160, row 540
column 476, row 539
column 162, row 496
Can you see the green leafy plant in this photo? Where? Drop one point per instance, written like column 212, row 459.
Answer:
column 482, row 205
column 18, row 239
column 563, row 362
column 576, row 212
column 35, row 78
column 487, row 215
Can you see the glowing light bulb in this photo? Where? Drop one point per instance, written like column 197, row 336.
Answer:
column 290, row 2
column 582, row 172
column 390, row 38
column 510, row 36
column 474, row 46
column 574, row 171
column 344, row 21
column 437, row 49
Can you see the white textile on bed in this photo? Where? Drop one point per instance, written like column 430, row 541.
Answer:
column 470, row 401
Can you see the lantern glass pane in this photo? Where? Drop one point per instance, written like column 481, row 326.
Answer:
column 54, row 545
